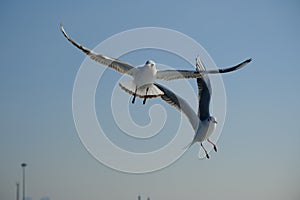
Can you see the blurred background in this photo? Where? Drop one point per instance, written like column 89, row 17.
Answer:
column 258, row 149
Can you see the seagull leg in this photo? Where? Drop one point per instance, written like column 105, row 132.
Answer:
column 215, row 147
column 134, row 95
column 145, row 96
column 207, row 156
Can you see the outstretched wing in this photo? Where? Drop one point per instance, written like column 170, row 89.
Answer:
column 229, row 69
column 180, row 74
column 176, row 74
column 204, row 91
column 179, row 103
column 113, row 63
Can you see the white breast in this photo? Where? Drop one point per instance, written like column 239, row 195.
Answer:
column 144, row 76
column 211, row 128
column 204, row 131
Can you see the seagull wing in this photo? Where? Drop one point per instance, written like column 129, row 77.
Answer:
column 179, row 103
column 204, row 94
column 229, row 69
column 176, row 74
column 113, row 63
column 204, row 91
column 180, row 74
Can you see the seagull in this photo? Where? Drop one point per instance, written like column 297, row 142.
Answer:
column 144, row 77
column 203, row 123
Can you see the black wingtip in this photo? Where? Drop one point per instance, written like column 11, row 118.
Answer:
column 248, row 60
column 63, row 30
column 244, row 63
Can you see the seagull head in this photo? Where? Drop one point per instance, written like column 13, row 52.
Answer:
column 150, row 64
column 212, row 119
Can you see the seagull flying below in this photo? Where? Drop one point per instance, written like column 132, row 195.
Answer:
column 203, row 124
column 144, row 77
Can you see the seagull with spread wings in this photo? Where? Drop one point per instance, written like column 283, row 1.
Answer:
column 144, row 77
column 203, row 123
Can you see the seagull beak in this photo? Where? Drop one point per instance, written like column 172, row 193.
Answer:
column 215, row 122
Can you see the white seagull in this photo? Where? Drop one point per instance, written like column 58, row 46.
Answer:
column 203, row 124
column 144, row 77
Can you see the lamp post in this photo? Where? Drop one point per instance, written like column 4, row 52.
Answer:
column 23, row 165
column 18, row 184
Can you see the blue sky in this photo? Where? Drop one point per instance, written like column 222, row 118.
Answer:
column 258, row 149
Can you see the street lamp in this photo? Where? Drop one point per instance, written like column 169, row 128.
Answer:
column 23, row 165
column 18, row 184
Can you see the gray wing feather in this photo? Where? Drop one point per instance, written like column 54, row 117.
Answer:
column 204, row 91
column 113, row 63
column 176, row 74
column 229, row 69
column 179, row 103
column 204, row 95
column 180, row 74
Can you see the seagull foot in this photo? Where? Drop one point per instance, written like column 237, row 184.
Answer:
column 146, row 95
column 215, row 148
column 133, row 100
column 134, row 95
column 207, row 156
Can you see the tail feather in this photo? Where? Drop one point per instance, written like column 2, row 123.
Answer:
column 130, row 87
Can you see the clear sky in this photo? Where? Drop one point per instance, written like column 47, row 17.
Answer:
column 259, row 148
